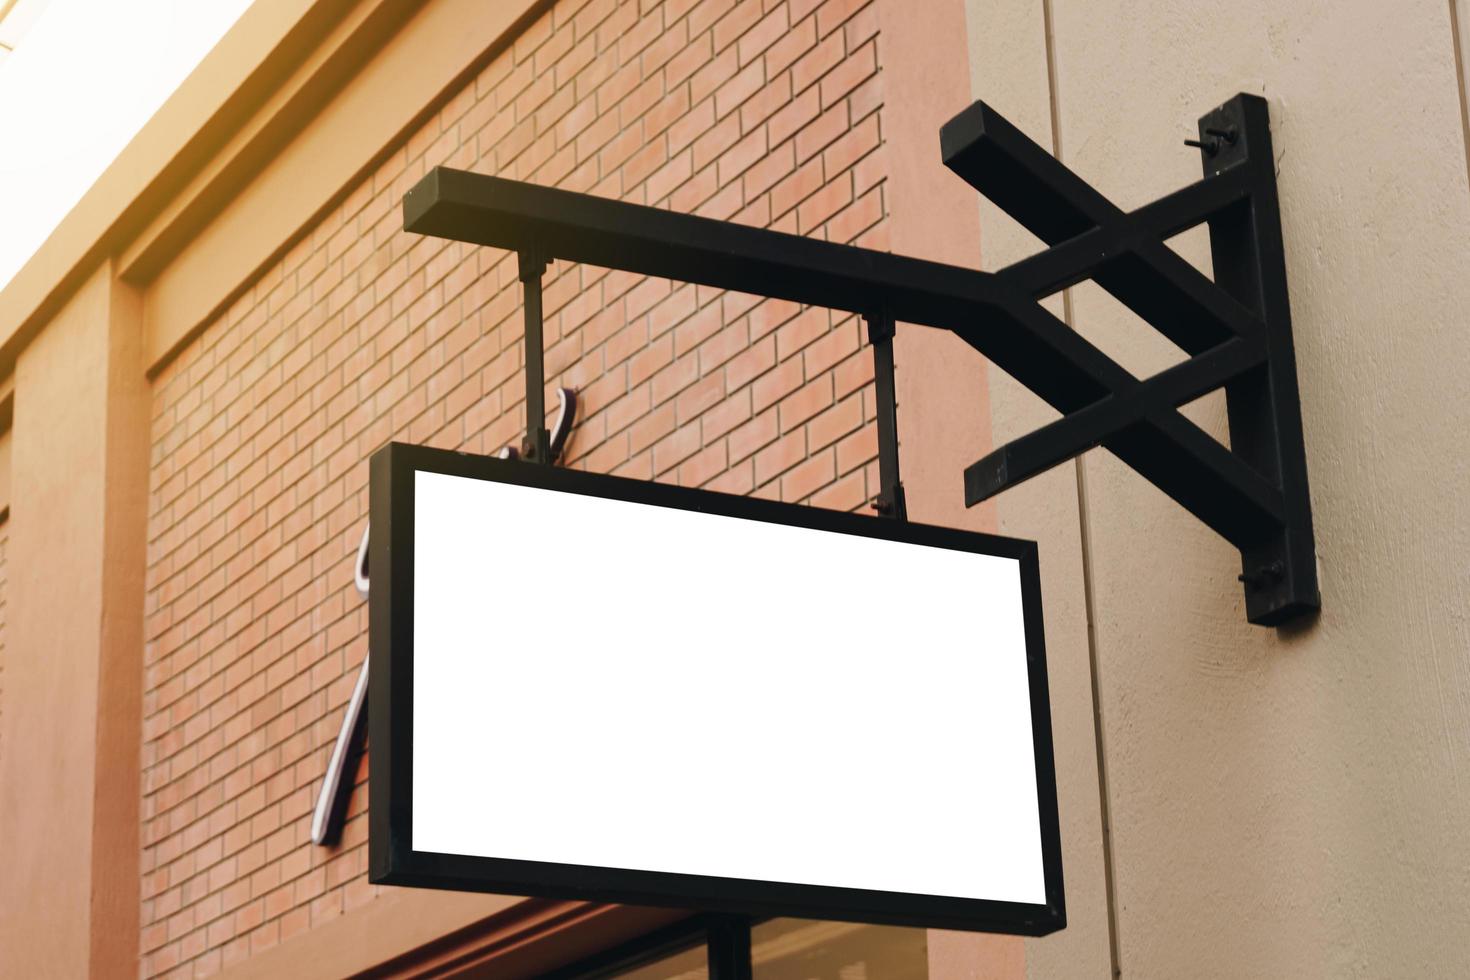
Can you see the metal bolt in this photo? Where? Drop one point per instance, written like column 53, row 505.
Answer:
column 1265, row 577
column 1215, row 136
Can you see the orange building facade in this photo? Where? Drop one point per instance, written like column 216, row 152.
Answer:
column 240, row 385
column 362, row 333
column 197, row 364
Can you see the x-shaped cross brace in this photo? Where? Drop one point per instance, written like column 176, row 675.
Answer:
column 1237, row 330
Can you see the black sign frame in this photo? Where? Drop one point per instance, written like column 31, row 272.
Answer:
column 392, row 859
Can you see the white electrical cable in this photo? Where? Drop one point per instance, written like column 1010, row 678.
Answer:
column 321, row 818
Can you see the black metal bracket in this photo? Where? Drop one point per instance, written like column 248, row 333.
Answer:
column 1235, row 328
column 537, row 446
column 890, row 500
column 561, row 429
column 728, row 948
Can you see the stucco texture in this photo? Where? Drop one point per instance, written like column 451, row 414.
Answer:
column 1283, row 803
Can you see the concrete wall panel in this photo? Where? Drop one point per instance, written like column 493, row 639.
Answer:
column 1010, row 71
column 1292, row 803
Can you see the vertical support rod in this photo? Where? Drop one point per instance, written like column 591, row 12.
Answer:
column 537, row 444
column 729, row 948
column 890, row 500
column 1263, row 406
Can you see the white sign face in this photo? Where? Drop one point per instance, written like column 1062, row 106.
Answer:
column 608, row 684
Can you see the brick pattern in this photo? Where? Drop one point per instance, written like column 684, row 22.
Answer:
column 4, row 614
column 758, row 112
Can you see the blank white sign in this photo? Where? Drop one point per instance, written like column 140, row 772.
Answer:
column 620, row 685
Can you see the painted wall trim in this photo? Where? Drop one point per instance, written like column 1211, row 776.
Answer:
column 401, row 82
column 240, row 73
column 284, row 82
column 73, row 713
column 292, row 104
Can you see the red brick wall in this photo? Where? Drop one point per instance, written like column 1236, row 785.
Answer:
column 4, row 578
column 764, row 113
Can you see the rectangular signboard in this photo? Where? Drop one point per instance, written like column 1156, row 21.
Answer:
column 589, row 687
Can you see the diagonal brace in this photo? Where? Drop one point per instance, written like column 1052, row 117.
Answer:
column 1237, row 329
column 1167, row 449
column 1143, row 402
column 1075, row 259
column 1053, row 203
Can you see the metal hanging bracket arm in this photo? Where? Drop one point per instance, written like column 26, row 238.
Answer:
column 1236, row 327
column 532, row 266
column 890, row 500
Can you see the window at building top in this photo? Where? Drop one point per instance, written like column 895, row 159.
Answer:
column 798, row 949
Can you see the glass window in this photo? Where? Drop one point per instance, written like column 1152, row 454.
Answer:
column 788, row 949
column 798, row 949
column 688, row 965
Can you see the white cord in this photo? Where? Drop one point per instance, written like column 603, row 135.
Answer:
column 333, row 779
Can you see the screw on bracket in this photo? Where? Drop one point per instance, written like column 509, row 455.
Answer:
column 891, row 502
column 1215, row 136
column 1264, row 578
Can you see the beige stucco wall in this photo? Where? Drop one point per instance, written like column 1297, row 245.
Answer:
column 1283, row 803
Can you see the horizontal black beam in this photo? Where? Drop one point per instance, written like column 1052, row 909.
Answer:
column 988, row 313
column 512, row 215
column 509, row 214
column 1042, row 353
